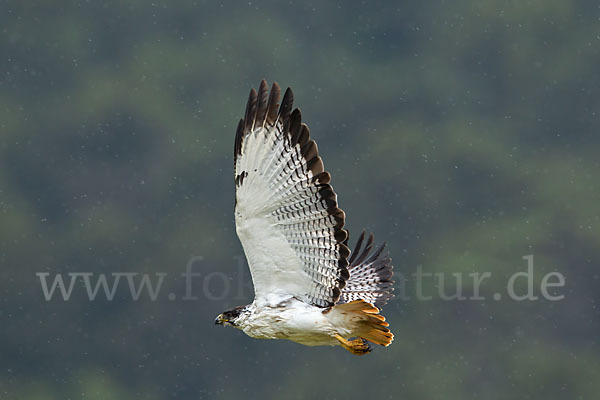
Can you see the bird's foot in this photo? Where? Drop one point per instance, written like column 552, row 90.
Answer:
column 357, row 346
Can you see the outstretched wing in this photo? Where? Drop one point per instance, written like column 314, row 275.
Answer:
column 370, row 274
column 286, row 212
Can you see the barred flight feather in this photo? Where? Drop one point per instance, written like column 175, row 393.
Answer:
column 370, row 275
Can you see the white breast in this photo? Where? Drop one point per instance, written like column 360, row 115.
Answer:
column 294, row 320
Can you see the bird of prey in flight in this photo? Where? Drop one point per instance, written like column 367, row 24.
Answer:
column 308, row 288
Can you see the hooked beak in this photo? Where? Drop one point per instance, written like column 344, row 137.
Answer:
column 220, row 320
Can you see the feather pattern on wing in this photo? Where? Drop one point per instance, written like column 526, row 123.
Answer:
column 370, row 274
column 286, row 212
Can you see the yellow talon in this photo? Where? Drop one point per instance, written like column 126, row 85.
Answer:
column 357, row 346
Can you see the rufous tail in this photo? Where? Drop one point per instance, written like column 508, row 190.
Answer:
column 370, row 325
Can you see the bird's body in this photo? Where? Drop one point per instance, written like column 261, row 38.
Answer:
column 293, row 320
column 307, row 287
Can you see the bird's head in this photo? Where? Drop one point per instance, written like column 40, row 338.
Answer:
column 230, row 317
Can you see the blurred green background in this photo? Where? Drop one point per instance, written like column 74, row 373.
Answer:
column 465, row 134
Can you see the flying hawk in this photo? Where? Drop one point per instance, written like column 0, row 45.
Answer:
column 308, row 288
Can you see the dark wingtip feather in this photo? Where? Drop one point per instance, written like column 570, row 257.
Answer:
column 239, row 136
column 322, row 178
column 258, row 108
column 286, row 106
column 315, row 165
column 250, row 114
column 304, row 135
column 357, row 247
column 375, row 255
column 310, row 150
column 295, row 125
column 263, row 97
column 360, row 255
column 273, row 103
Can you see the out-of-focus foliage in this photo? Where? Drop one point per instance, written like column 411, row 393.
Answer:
column 465, row 134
